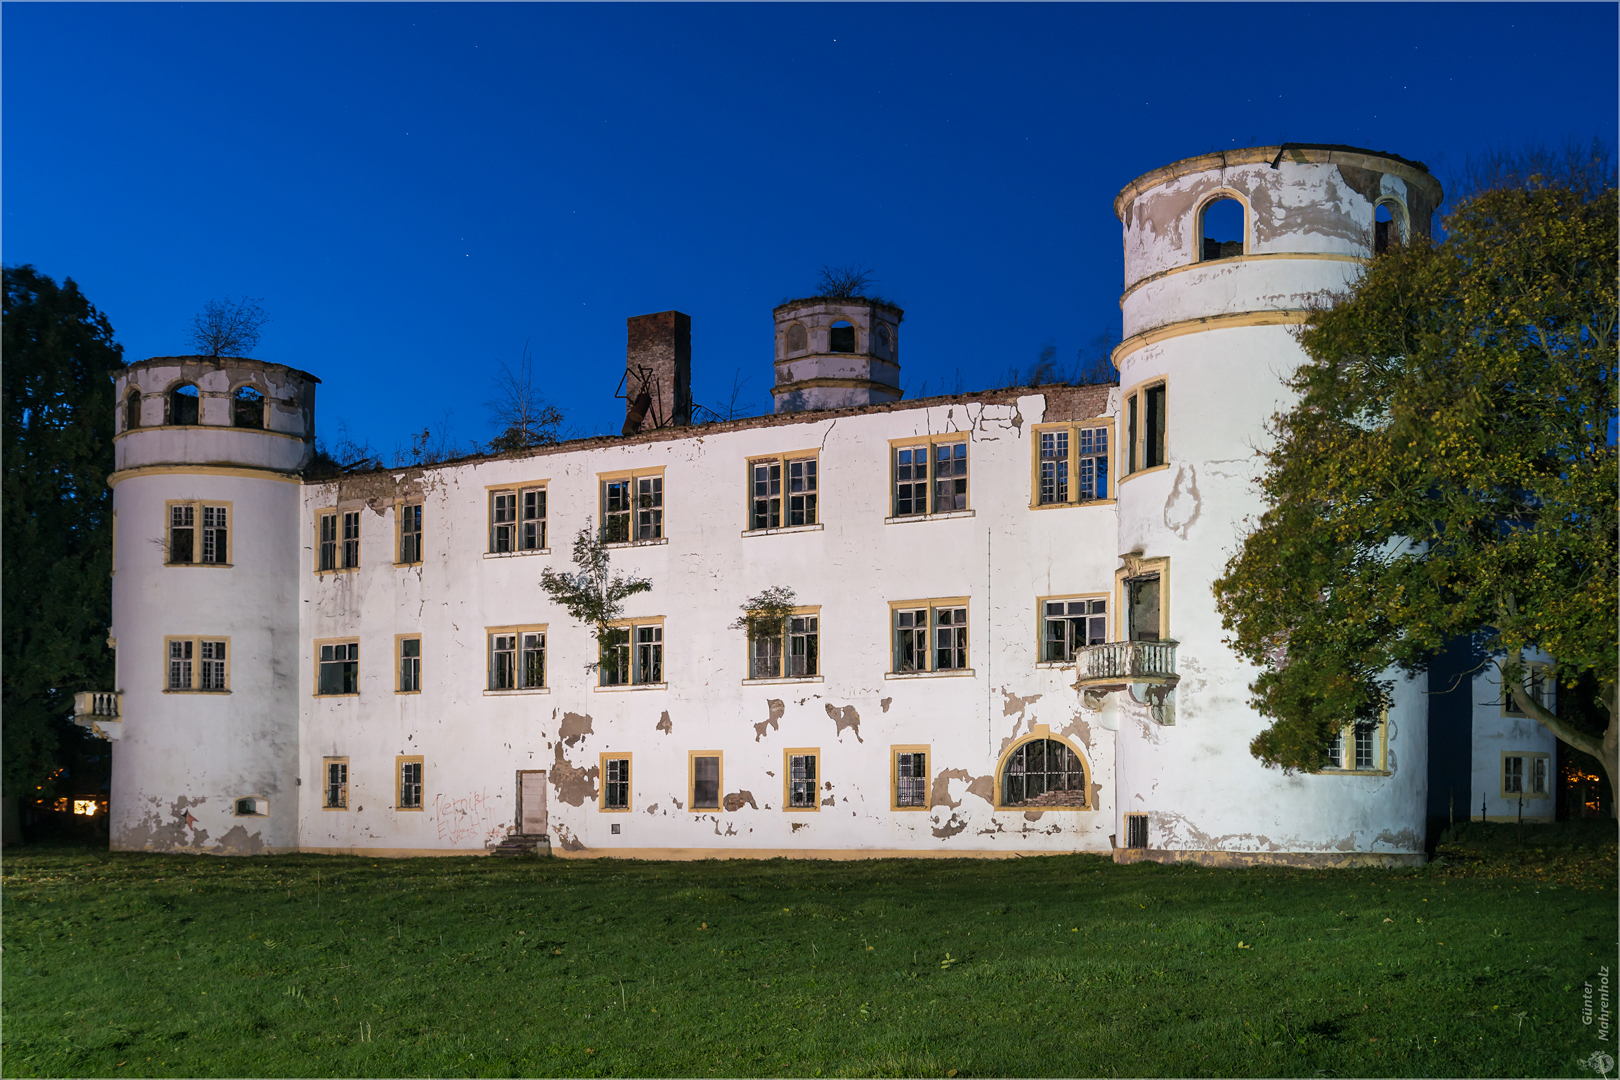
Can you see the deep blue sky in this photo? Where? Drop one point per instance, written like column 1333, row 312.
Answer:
column 416, row 190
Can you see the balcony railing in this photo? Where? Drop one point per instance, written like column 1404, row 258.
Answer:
column 99, row 712
column 1118, row 662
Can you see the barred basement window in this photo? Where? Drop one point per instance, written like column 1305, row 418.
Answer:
column 338, row 668
column 1046, row 773
column 189, row 545
column 909, row 766
column 1070, row 625
column 252, row 807
column 615, row 783
column 409, row 773
column 409, row 517
column 782, row 493
column 801, row 779
column 1136, row 830
column 335, row 788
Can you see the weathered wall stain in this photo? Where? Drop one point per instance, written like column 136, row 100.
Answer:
column 238, row 842
column 1183, row 505
column 777, row 708
column 884, row 702
column 575, row 726
column 664, row 723
column 846, row 717
column 176, row 833
column 797, row 825
column 950, row 828
column 1013, row 705
column 940, row 794
column 572, row 784
column 739, row 799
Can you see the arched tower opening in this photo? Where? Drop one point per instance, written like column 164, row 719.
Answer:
column 1221, row 229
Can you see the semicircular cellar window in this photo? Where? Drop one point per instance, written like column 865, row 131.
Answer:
column 841, row 337
column 1220, row 228
column 1044, row 772
column 132, row 413
column 798, row 339
column 247, row 408
column 183, row 401
column 1389, row 226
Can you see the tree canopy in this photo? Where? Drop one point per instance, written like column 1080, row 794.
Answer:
column 1448, row 471
column 228, row 327
column 60, row 355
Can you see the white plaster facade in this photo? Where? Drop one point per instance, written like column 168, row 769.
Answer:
column 1214, row 334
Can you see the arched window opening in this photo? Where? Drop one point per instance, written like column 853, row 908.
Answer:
column 183, row 402
column 247, row 408
column 884, row 345
column 798, row 339
column 132, row 411
column 1389, row 227
column 1043, row 772
column 841, row 338
column 1221, row 229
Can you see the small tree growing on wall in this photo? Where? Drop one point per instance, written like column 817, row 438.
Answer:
column 228, row 327
column 764, row 618
column 595, row 595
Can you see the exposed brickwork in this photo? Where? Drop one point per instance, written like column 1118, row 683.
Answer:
column 658, row 372
column 1075, row 402
column 1051, row 798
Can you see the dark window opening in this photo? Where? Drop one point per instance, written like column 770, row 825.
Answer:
column 132, row 415
column 340, row 669
column 183, row 402
column 706, row 783
column 247, row 408
column 1136, row 831
column 841, row 338
column 1130, row 437
column 1221, row 228
column 248, row 808
column 1153, row 443
column 1044, row 772
column 1143, row 594
column 1387, row 230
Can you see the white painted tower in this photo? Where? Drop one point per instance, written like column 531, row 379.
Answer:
column 833, row 354
column 1208, row 343
column 207, row 549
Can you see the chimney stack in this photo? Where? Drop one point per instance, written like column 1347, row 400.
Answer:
column 658, row 372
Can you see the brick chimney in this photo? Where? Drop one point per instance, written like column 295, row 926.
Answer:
column 658, row 372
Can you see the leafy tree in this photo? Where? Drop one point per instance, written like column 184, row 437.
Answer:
column 595, row 595
column 1449, row 471
column 764, row 615
column 228, row 327
column 60, row 355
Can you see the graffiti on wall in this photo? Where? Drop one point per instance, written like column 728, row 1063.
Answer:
column 470, row 818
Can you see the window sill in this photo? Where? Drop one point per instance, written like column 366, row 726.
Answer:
column 338, row 570
column 1071, row 505
column 355, row 694
column 1042, row 809
column 338, row 808
column 630, row 686
column 966, row 673
column 800, row 809
column 408, row 565
column 518, row 692
column 907, row 519
column 637, row 543
column 817, row 527
column 407, row 693
column 511, row 554
column 1354, row 772
column 407, row 809
column 778, row 682
column 177, row 692
column 220, row 565
column 612, row 809
column 1142, row 472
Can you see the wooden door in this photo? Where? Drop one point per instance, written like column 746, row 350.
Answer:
column 531, row 800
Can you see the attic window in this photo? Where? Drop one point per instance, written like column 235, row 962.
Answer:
column 1389, row 226
column 247, row 408
column 183, row 402
column 1220, row 229
column 841, row 337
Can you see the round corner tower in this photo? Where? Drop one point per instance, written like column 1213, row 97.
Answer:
column 831, row 354
column 1225, row 255
column 206, row 539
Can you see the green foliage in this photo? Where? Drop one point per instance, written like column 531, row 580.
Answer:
column 59, row 356
column 1449, row 470
column 315, row 965
column 764, row 615
column 595, row 595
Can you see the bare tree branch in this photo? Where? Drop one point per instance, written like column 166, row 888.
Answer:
column 228, row 327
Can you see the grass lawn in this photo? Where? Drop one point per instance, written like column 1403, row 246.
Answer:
column 139, row 965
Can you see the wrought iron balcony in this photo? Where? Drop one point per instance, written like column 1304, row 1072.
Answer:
column 99, row 712
column 1117, row 663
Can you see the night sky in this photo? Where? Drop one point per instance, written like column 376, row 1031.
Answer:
column 417, row 191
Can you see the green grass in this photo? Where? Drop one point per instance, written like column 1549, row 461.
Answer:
column 131, row 965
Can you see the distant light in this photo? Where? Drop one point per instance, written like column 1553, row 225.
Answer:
column 87, row 807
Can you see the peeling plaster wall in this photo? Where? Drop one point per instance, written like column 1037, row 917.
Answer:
column 1002, row 557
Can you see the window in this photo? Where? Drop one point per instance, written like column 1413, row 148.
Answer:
column 1070, row 625
column 705, row 776
column 517, row 658
column 132, row 411
column 782, row 492
column 351, row 539
column 1526, row 775
column 1071, row 463
column 326, row 541
column 183, row 404
column 615, row 781
column 1045, row 773
column 632, row 508
column 247, row 408
column 1540, row 683
column 930, row 477
column 930, row 636
column 1145, row 428
column 1358, row 747
column 337, row 667
column 408, row 516
column 335, row 783
column 841, row 337
column 1136, row 830
column 1220, row 229
column 633, row 654
column 199, row 664
column 799, row 778
column 908, row 767
column 792, row 651
column 207, row 545
column 517, row 519
column 252, row 808
column 408, row 770
column 410, row 664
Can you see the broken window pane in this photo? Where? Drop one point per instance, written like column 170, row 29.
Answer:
column 801, row 780
column 765, row 658
column 351, row 540
column 533, row 661
column 1538, row 776
column 503, row 662
column 1512, row 775
column 410, row 665
column 615, row 668
column 950, row 477
column 1072, row 625
column 340, row 668
column 410, row 533
column 182, row 522
column 616, row 511
column 328, row 542
column 1054, row 467
column 616, row 786
column 410, row 785
column 1335, row 751
column 767, row 495
column 911, row 640
column 804, row 646
column 910, row 481
column 706, row 783
column 502, row 521
column 337, row 785
column 1043, row 772
column 1153, row 442
column 213, row 665
column 950, row 639
column 649, row 507
column 649, row 654
column 910, row 779
column 802, row 492
column 1092, row 462
column 179, row 665
column 214, row 546
column 533, row 537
